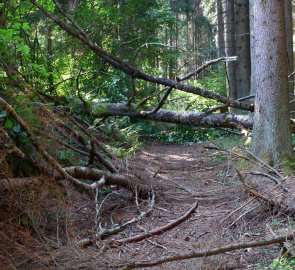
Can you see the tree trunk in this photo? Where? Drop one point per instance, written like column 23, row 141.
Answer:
column 243, row 48
column 49, row 57
column 220, row 29
column 230, row 48
column 289, row 34
column 271, row 139
column 252, row 46
column 197, row 119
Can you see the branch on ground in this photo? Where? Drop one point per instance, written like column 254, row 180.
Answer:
column 273, row 196
column 117, row 228
column 213, row 251
column 41, row 150
column 157, row 231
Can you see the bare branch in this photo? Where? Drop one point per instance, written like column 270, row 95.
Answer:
column 204, row 66
column 41, row 150
column 161, row 103
column 213, row 251
column 156, row 231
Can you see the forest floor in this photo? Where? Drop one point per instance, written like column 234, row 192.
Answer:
column 184, row 175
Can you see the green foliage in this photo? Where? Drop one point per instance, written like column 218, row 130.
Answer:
column 283, row 263
column 66, row 157
column 126, row 138
column 215, row 80
column 187, row 135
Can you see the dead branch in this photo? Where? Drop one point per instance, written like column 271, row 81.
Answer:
column 213, row 251
column 99, row 145
column 268, row 198
column 266, row 165
column 204, row 66
column 287, row 247
column 275, row 180
column 237, row 209
column 156, row 231
column 41, row 150
column 161, row 103
column 107, row 232
column 218, row 148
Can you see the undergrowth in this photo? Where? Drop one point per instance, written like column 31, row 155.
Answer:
column 129, row 134
column 283, row 263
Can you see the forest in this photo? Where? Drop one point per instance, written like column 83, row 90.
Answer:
column 147, row 134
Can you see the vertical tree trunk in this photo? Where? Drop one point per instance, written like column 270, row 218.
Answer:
column 289, row 34
column 271, row 139
column 220, row 29
column 50, row 56
column 243, row 64
column 230, row 48
column 252, row 46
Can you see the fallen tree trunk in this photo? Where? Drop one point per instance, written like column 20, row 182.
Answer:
column 95, row 175
column 110, row 179
column 279, row 195
column 197, row 119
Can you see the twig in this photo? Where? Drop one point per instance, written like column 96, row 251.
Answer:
column 237, row 209
column 266, row 165
column 106, row 232
column 156, row 231
column 242, row 215
column 156, row 244
column 289, row 209
column 289, row 248
column 271, row 178
column 205, row 65
column 213, row 251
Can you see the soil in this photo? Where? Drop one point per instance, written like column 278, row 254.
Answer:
column 182, row 176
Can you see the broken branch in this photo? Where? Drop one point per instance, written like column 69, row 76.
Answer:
column 156, row 231
column 213, row 251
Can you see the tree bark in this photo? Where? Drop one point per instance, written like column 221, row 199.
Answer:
column 252, row 46
column 243, row 63
column 220, row 29
column 230, row 48
column 289, row 40
column 198, row 119
column 271, row 139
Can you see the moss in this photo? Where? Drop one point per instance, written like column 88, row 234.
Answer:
column 100, row 110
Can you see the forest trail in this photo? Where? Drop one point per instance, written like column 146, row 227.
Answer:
column 188, row 174
column 183, row 175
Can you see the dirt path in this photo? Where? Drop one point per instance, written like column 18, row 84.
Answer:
column 188, row 174
column 183, row 175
